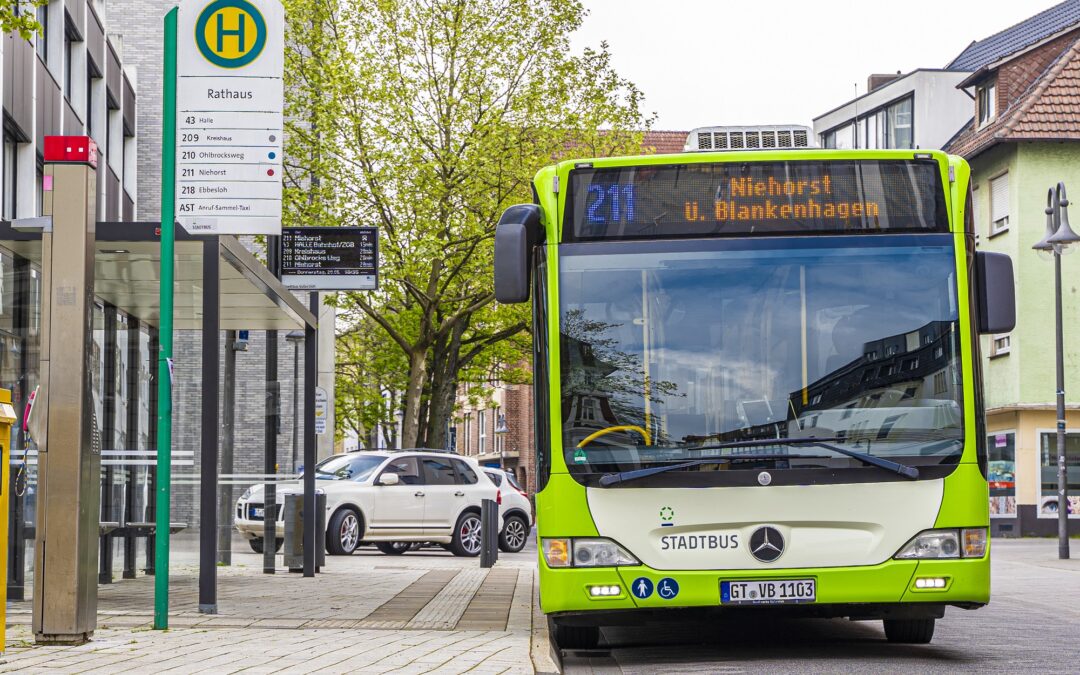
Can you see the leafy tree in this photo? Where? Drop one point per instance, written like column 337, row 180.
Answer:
column 428, row 118
column 20, row 16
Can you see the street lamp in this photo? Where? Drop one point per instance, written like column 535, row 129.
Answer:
column 502, row 429
column 1059, row 235
column 295, row 337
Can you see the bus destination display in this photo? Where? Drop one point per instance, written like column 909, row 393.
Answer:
column 330, row 258
column 740, row 198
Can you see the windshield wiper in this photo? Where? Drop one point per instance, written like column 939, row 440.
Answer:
column 607, row 480
column 896, row 467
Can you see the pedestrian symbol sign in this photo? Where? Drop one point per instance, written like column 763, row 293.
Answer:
column 230, row 33
column 642, row 587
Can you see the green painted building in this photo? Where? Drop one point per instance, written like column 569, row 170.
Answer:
column 1025, row 137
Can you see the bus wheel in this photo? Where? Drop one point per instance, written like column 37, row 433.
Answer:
column 909, row 631
column 574, row 637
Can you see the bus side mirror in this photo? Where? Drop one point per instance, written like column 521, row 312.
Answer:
column 995, row 292
column 514, row 238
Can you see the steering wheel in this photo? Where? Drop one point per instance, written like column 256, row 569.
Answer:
column 623, row 427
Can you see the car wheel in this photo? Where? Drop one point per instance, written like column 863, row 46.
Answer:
column 343, row 533
column 257, row 544
column 909, row 631
column 466, row 540
column 574, row 637
column 514, row 535
column 393, row 547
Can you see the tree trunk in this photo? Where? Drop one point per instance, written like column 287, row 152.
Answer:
column 410, row 421
column 445, row 364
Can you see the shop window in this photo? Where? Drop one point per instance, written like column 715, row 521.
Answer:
column 1048, row 501
column 1001, row 447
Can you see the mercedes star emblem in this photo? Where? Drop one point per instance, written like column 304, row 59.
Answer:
column 766, row 544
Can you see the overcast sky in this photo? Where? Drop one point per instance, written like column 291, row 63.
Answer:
column 708, row 62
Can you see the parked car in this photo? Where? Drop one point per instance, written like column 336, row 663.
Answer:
column 515, row 509
column 388, row 498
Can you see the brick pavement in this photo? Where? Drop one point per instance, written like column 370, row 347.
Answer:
column 426, row 611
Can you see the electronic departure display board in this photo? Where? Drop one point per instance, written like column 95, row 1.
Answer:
column 755, row 198
column 330, row 258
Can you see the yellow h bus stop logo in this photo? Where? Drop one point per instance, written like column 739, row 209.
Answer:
column 230, row 33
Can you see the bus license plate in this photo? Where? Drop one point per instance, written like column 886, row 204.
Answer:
column 767, row 592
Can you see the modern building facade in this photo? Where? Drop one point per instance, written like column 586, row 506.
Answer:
column 920, row 109
column 70, row 80
column 1024, row 87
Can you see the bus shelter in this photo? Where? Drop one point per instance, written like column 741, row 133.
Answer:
column 220, row 285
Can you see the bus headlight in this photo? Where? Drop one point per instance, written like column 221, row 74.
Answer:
column 592, row 552
column 939, row 544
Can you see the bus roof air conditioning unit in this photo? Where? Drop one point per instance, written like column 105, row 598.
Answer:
column 764, row 137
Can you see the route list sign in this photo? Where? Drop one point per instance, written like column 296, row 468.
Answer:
column 330, row 258
column 229, row 100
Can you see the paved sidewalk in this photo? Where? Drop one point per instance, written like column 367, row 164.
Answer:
column 426, row 611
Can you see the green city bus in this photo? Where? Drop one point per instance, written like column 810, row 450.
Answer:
column 757, row 386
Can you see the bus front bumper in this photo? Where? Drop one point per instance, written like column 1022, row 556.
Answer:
column 859, row 592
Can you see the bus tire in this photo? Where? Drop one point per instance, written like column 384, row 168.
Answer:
column 909, row 631
column 573, row 637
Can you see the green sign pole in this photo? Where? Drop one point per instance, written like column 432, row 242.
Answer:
column 165, row 328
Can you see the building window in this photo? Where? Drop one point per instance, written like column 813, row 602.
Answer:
column 986, row 100
column 1000, row 344
column 899, row 121
column 69, row 59
column 43, row 36
column 11, row 175
column 840, row 138
column 588, row 409
column 1001, row 474
column 999, row 204
column 939, row 383
column 466, row 429
column 1048, row 499
column 481, row 427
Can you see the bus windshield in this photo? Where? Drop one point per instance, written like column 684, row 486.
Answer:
column 670, row 347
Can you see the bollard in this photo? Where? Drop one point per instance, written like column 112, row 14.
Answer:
column 294, row 533
column 320, row 530
column 489, row 532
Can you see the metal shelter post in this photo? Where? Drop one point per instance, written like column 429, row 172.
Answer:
column 311, row 374
column 208, row 471
column 228, row 430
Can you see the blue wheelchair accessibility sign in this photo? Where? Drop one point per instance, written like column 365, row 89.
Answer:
column 642, row 587
column 667, row 588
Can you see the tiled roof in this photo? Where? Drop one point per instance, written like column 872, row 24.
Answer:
column 1029, row 31
column 1048, row 110
column 665, row 142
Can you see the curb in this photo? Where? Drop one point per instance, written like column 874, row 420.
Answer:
column 545, row 658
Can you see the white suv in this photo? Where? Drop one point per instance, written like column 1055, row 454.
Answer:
column 388, row 498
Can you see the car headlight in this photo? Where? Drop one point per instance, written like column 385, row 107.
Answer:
column 943, row 544
column 592, row 552
column 246, row 495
